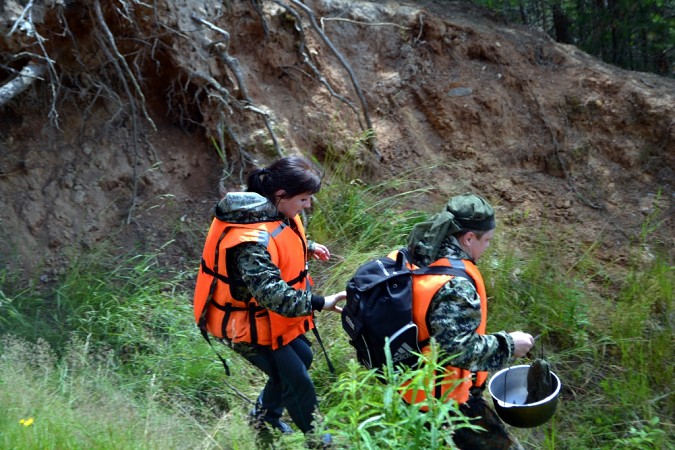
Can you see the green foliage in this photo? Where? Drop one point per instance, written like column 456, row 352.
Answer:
column 609, row 347
column 363, row 221
column 382, row 419
column 643, row 436
column 79, row 401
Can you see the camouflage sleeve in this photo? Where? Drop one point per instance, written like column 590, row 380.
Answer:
column 454, row 317
column 263, row 280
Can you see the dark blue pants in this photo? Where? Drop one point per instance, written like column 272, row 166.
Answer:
column 289, row 385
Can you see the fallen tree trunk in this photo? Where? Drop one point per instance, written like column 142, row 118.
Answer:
column 23, row 80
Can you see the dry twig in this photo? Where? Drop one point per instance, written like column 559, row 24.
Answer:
column 22, row 81
column 345, row 64
column 302, row 49
column 233, row 65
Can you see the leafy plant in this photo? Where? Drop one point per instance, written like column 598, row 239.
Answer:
column 369, row 413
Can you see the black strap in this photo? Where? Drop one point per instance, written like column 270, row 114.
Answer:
column 214, row 272
column 206, row 269
column 251, row 323
column 299, row 278
column 318, row 338
column 205, row 334
column 228, row 306
column 403, row 257
column 228, row 310
column 475, row 389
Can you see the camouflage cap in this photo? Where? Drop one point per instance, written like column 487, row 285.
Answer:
column 461, row 213
column 472, row 212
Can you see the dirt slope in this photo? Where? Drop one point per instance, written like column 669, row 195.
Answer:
column 542, row 129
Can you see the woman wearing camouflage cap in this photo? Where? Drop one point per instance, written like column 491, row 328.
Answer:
column 254, row 291
column 453, row 310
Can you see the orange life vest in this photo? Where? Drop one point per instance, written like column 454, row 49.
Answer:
column 215, row 309
column 457, row 381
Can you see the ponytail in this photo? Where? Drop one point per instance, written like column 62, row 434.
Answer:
column 294, row 175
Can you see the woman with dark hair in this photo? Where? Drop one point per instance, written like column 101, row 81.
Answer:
column 254, row 291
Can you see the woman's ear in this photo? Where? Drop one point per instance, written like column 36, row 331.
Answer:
column 280, row 194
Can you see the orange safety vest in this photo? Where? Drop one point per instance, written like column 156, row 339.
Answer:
column 215, row 309
column 457, row 381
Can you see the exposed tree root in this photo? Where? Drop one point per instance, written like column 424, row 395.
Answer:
column 104, row 66
column 121, row 63
column 25, row 23
column 243, row 103
column 302, row 49
column 345, row 64
column 28, row 75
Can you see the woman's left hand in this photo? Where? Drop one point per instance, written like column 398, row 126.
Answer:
column 321, row 252
column 332, row 300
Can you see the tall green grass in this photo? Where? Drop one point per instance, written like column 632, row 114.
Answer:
column 79, row 401
column 382, row 420
column 363, row 221
column 608, row 337
column 109, row 356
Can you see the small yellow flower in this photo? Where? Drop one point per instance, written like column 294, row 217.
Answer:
column 26, row 422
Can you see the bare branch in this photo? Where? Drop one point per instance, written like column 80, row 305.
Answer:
column 226, row 35
column 22, row 22
column 233, row 64
column 122, row 61
column 22, row 81
column 302, row 49
column 25, row 23
column 345, row 64
column 359, row 22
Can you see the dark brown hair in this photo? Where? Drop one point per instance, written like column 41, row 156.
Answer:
column 294, row 174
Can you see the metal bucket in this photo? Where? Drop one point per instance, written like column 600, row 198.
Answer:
column 508, row 389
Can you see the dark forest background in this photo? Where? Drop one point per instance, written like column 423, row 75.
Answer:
column 633, row 34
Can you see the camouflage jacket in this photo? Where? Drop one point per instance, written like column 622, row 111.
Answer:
column 251, row 263
column 454, row 315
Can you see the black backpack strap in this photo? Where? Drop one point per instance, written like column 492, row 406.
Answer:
column 205, row 334
column 402, row 258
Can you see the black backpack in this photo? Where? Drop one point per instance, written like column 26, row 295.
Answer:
column 379, row 305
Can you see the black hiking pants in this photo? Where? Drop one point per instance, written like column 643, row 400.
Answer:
column 289, row 385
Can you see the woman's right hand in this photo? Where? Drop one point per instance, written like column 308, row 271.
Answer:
column 331, row 302
column 523, row 342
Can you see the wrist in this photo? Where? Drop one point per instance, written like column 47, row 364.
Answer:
column 318, row 302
